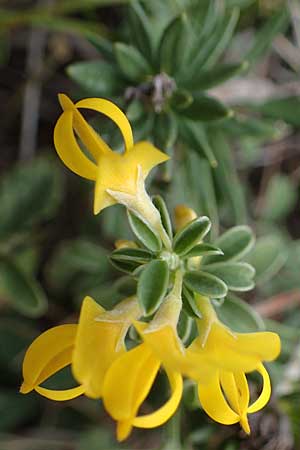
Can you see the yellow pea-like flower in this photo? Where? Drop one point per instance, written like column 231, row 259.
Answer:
column 110, row 170
column 225, row 394
column 89, row 347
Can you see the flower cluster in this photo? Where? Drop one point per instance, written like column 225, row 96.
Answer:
column 175, row 274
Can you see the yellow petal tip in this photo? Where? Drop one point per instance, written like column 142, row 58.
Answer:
column 65, row 102
column 245, row 424
column 25, row 388
column 124, row 428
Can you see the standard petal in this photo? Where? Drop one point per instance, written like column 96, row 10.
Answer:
column 164, row 413
column 68, row 149
column 265, row 346
column 147, row 156
column 95, row 347
column 110, row 110
column 213, row 402
column 48, row 353
column 266, row 391
column 127, row 384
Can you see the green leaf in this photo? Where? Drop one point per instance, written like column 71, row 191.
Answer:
column 29, row 194
column 165, row 130
column 20, row 290
column 140, row 27
column 237, row 275
column 131, row 62
column 187, row 237
column 97, row 77
column 280, row 198
column 205, row 108
column 224, row 37
column 235, row 243
column 205, row 284
column 195, row 135
column 180, row 99
column 103, row 45
column 264, row 38
column 184, row 326
column 226, row 176
column 152, row 286
column 285, row 108
column 75, row 263
column 203, row 250
column 144, row 233
column 161, row 206
column 189, row 303
column 239, row 316
column 173, row 45
column 136, row 256
column 207, row 79
column 267, row 257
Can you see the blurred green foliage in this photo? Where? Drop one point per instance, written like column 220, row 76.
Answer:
column 168, row 65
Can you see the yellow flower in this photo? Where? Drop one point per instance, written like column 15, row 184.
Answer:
column 127, row 384
column 110, row 170
column 225, row 394
column 90, row 347
column 130, row 378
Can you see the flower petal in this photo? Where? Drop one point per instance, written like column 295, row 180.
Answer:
column 49, row 352
column 95, row 347
column 147, row 156
column 68, row 149
column 266, row 391
column 213, row 402
column 110, row 110
column 164, row 413
column 60, row 395
column 92, row 141
column 127, row 384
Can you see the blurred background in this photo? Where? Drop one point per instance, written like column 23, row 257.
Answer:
column 236, row 156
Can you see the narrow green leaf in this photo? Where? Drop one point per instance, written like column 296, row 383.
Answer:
column 140, row 27
column 235, row 243
column 144, row 233
column 164, row 214
column 189, row 303
column 239, row 316
column 173, row 45
column 205, row 284
column 209, row 78
column 264, row 38
column 225, row 36
column 237, row 275
column 280, row 198
column 187, row 237
column 267, row 257
column 196, row 136
column 152, row 286
column 226, row 176
column 203, row 250
column 21, row 290
column 205, row 108
column 165, row 130
column 103, row 45
column 180, row 99
column 97, row 77
column 131, row 62
column 284, row 108
column 184, row 326
column 137, row 255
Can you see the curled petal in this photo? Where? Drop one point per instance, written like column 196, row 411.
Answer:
column 266, row 391
column 48, row 353
column 161, row 415
column 127, row 384
column 60, row 395
column 68, row 149
column 110, row 110
column 92, row 141
column 213, row 402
